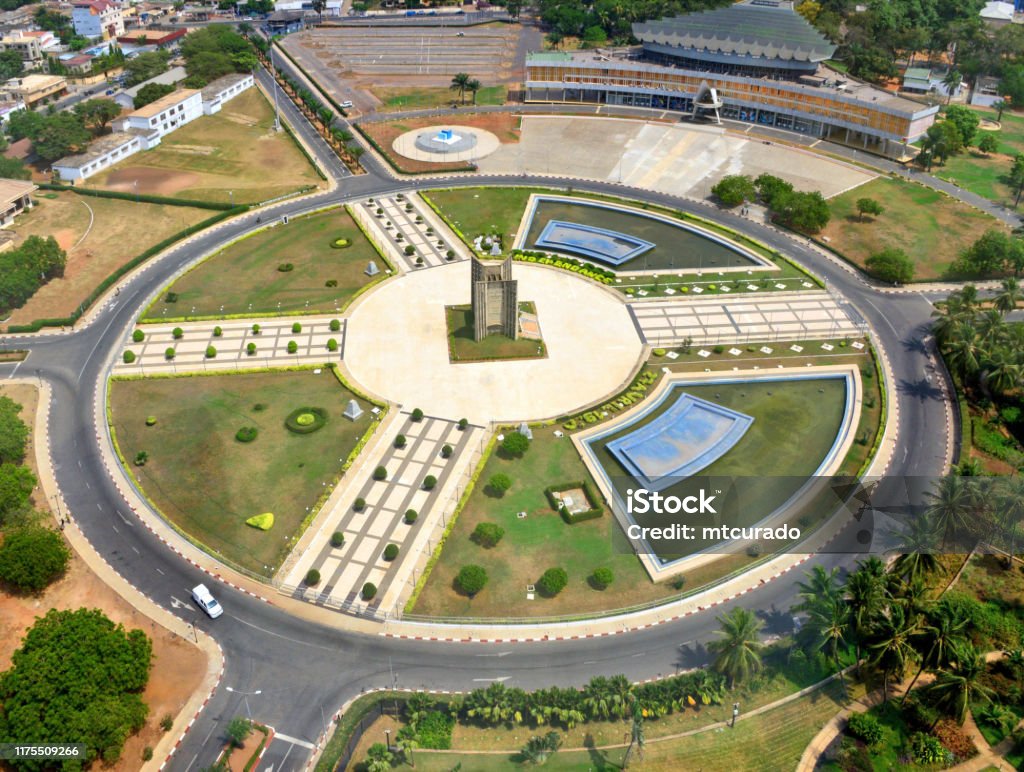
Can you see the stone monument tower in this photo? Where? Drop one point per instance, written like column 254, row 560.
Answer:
column 495, row 304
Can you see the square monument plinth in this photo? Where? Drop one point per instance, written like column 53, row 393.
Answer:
column 688, row 437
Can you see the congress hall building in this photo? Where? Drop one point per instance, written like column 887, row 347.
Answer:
column 757, row 61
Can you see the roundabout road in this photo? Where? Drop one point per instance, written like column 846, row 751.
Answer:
column 304, row 670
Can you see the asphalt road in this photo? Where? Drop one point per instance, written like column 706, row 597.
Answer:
column 305, row 671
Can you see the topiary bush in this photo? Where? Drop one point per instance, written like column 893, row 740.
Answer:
column 409, row 250
column 488, row 534
column 400, row 441
column 246, row 434
column 250, row 348
column 177, row 332
column 128, row 357
column 446, row 451
column 380, row 474
column 305, row 420
column 410, row 516
column 263, row 521
column 337, row 539
column 217, row 332
column 601, row 578
column 416, row 415
column 256, row 329
column 296, row 327
column 341, row 243
column 293, row 347
column 515, row 444
column 429, row 482
column 171, row 297
column 211, row 352
column 359, row 504
column 449, row 255
column 391, row 552
column 169, row 353
column 471, row 579
column 369, row 590
column 332, row 345
column 335, row 325
column 499, row 483
column 463, row 424
column 285, row 267
column 312, row 577
column 150, row 420
column 138, row 336
column 553, row 581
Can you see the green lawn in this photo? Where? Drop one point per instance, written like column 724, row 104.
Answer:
column 463, row 348
column 206, row 482
column 986, row 175
column 245, row 278
column 930, row 227
column 402, row 99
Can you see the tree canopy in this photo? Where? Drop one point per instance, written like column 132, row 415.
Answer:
column 25, row 268
column 13, row 432
column 150, row 93
column 79, row 677
column 213, row 52
column 145, row 66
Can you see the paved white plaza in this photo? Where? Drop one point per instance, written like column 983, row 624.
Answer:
column 397, row 347
column 740, row 319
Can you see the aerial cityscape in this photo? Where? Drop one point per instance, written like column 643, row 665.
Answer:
column 491, row 385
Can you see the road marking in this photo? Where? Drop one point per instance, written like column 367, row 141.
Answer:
column 282, row 637
column 191, row 762
column 294, row 741
column 500, row 680
column 124, row 519
column 115, row 528
column 136, row 550
column 15, row 370
column 212, row 730
column 638, row 654
column 161, row 572
column 175, row 603
column 99, row 506
column 499, row 654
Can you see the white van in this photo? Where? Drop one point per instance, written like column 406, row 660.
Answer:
column 206, row 601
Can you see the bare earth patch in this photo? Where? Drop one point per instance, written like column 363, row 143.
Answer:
column 119, row 231
column 178, row 666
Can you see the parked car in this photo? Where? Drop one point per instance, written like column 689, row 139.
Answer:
column 347, row 104
column 206, row 601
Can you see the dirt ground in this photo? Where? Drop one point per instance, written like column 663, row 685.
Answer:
column 503, row 125
column 240, row 756
column 178, row 667
column 99, row 235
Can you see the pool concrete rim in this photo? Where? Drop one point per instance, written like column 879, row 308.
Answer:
column 758, row 263
column 660, row 571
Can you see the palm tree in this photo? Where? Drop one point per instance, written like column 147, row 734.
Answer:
column 866, row 597
column 1015, row 659
column 407, row 741
column 1002, row 373
column 821, row 589
column 1010, row 511
column 943, row 631
column 739, row 650
column 951, row 509
column 917, row 548
column 538, row 749
column 636, row 735
column 991, row 328
column 890, row 645
column 962, row 350
column 830, row 624
column 952, row 83
column 378, row 758
column 1009, row 295
column 957, row 686
column 472, row 87
column 460, row 81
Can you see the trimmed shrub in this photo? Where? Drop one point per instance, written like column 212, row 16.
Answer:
column 359, row 504
column 341, row 243
column 250, row 348
column 446, row 451
column 32, row 557
column 337, row 539
column 217, row 332
column 400, row 441
column 410, row 516
column 332, row 345
column 256, row 329
column 305, row 420
column 141, row 458
column 419, row 260
column 659, row 352
column 463, row 423
column 416, row 415
column 335, row 325
column 297, row 327
column 450, row 255
column 488, row 534
column 263, row 521
column 429, row 482
column 246, row 434
column 312, row 577
column 293, row 347
column 138, row 336
column 369, row 590
column 285, row 267
column 471, row 579
column 866, row 727
column 380, row 474
column 128, row 357
column 553, row 581
column 169, row 353
column 167, row 722
column 515, row 444
column 391, row 552
column 602, row 578
column 177, row 332
column 171, row 297
column 500, row 483
column 211, row 352
column 150, row 420
column 409, row 250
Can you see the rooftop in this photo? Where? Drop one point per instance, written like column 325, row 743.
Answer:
column 97, row 148
column 168, row 78
column 12, row 189
column 157, row 107
column 212, row 89
column 772, row 31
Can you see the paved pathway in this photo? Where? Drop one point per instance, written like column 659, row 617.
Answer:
column 407, row 221
column 722, row 319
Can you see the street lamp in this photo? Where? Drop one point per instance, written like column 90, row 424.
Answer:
column 245, row 698
column 387, row 735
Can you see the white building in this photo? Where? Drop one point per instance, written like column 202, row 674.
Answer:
column 30, row 47
column 172, row 77
column 164, row 115
column 103, row 152
column 224, row 89
column 333, row 7
column 97, row 19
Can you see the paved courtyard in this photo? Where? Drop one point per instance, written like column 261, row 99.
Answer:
column 718, row 319
column 396, row 227
column 397, row 347
column 665, row 157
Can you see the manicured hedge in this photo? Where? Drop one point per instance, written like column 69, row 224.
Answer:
column 141, row 197
column 575, row 517
column 292, row 424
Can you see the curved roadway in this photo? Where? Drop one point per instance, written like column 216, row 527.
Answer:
column 305, row 671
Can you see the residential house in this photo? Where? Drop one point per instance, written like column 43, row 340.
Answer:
column 100, row 19
column 33, row 89
column 163, row 116
column 217, row 93
column 15, row 198
column 172, row 77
